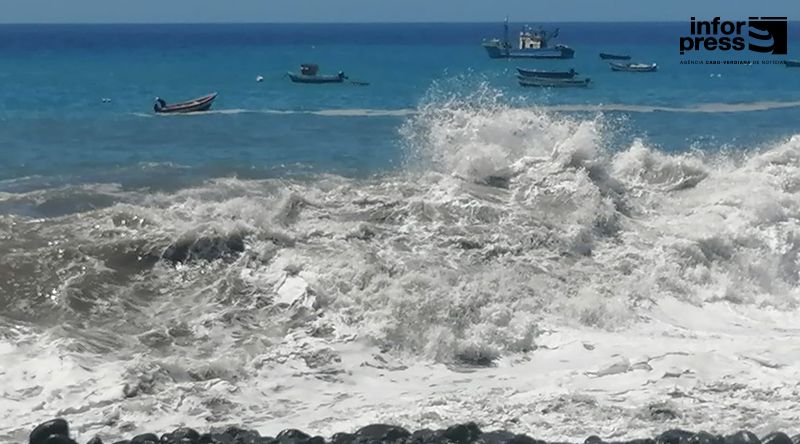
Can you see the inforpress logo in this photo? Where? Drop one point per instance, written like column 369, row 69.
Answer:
column 763, row 34
column 765, row 29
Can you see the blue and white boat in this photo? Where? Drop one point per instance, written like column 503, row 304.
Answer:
column 532, row 45
column 633, row 67
column 547, row 74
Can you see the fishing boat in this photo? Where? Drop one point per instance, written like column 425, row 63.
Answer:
column 607, row 56
column 547, row 74
column 552, row 83
column 532, row 45
column 192, row 106
column 309, row 73
column 633, row 67
column 792, row 63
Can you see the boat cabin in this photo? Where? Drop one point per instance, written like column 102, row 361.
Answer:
column 529, row 39
column 309, row 69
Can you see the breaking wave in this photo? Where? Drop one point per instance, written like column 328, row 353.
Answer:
column 504, row 221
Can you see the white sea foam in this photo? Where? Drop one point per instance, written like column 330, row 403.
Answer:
column 617, row 292
column 694, row 108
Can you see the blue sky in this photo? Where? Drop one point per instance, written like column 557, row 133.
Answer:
column 181, row 11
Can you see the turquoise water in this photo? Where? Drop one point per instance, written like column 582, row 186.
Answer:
column 55, row 126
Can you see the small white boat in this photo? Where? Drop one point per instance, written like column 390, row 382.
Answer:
column 633, row 67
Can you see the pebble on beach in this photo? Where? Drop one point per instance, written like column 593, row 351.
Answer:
column 56, row 431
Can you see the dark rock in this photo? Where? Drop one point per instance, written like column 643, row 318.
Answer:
column 495, row 437
column 236, row 435
column 45, row 430
column 248, row 438
column 426, row 436
column 185, row 434
column 706, row 438
column 210, row 438
column 524, row 439
column 382, row 432
column 640, row 441
column 57, row 432
column 742, row 437
column 777, row 438
column 58, row 439
column 234, row 431
column 145, row 438
column 343, row 438
column 292, row 436
column 674, row 436
column 463, row 433
column 397, row 434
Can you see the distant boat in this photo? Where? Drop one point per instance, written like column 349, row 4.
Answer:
column 547, row 74
column 633, row 67
column 192, row 106
column 607, row 56
column 552, row 83
column 532, row 45
column 792, row 63
column 309, row 74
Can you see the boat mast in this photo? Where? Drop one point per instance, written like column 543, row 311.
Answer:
column 505, row 33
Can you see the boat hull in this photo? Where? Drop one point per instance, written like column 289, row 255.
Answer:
column 606, row 56
column 500, row 52
column 792, row 63
column 553, row 83
column 192, row 106
column 629, row 68
column 546, row 74
column 300, row 78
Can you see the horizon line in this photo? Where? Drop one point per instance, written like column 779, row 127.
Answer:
column 409, row 22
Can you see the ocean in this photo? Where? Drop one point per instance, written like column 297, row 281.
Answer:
column 441, row 245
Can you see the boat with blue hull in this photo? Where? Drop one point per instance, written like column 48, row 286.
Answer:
column 607, row 56
column 309, row 74
column 547, row 74
column 197, row 105
column 553, row 83
column 532, row 45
